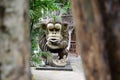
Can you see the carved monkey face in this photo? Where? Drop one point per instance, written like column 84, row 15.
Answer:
column 54, row 32
column 54, row 35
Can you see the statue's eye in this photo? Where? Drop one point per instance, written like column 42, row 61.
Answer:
column 51, row 29
column 58, row 26
column 57, row 30
column 50, row 26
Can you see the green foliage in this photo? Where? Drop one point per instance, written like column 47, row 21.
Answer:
column 45, row 54
column 39, row 8
column 37, row 58
column 34, row 38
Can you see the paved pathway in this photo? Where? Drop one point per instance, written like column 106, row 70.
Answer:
column 76, row 74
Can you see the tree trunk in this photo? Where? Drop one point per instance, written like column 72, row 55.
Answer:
column 14, row 40
column 111, row 18
column 90, row 37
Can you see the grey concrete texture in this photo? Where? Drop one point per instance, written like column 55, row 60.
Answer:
column 76, row 74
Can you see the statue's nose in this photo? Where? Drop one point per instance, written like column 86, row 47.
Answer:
column 54, row 32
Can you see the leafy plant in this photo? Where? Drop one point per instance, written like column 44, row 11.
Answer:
column 39, row 8
column 37, row 58
column 34, row 38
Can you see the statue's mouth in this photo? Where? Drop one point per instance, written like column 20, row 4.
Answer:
column 53, row 40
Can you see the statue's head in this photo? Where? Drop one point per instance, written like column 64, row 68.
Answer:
column 55, row 33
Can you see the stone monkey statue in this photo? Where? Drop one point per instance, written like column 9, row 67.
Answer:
column 55, row 40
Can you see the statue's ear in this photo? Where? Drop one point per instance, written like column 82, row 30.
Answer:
column 43, row 25
column 65, row 26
